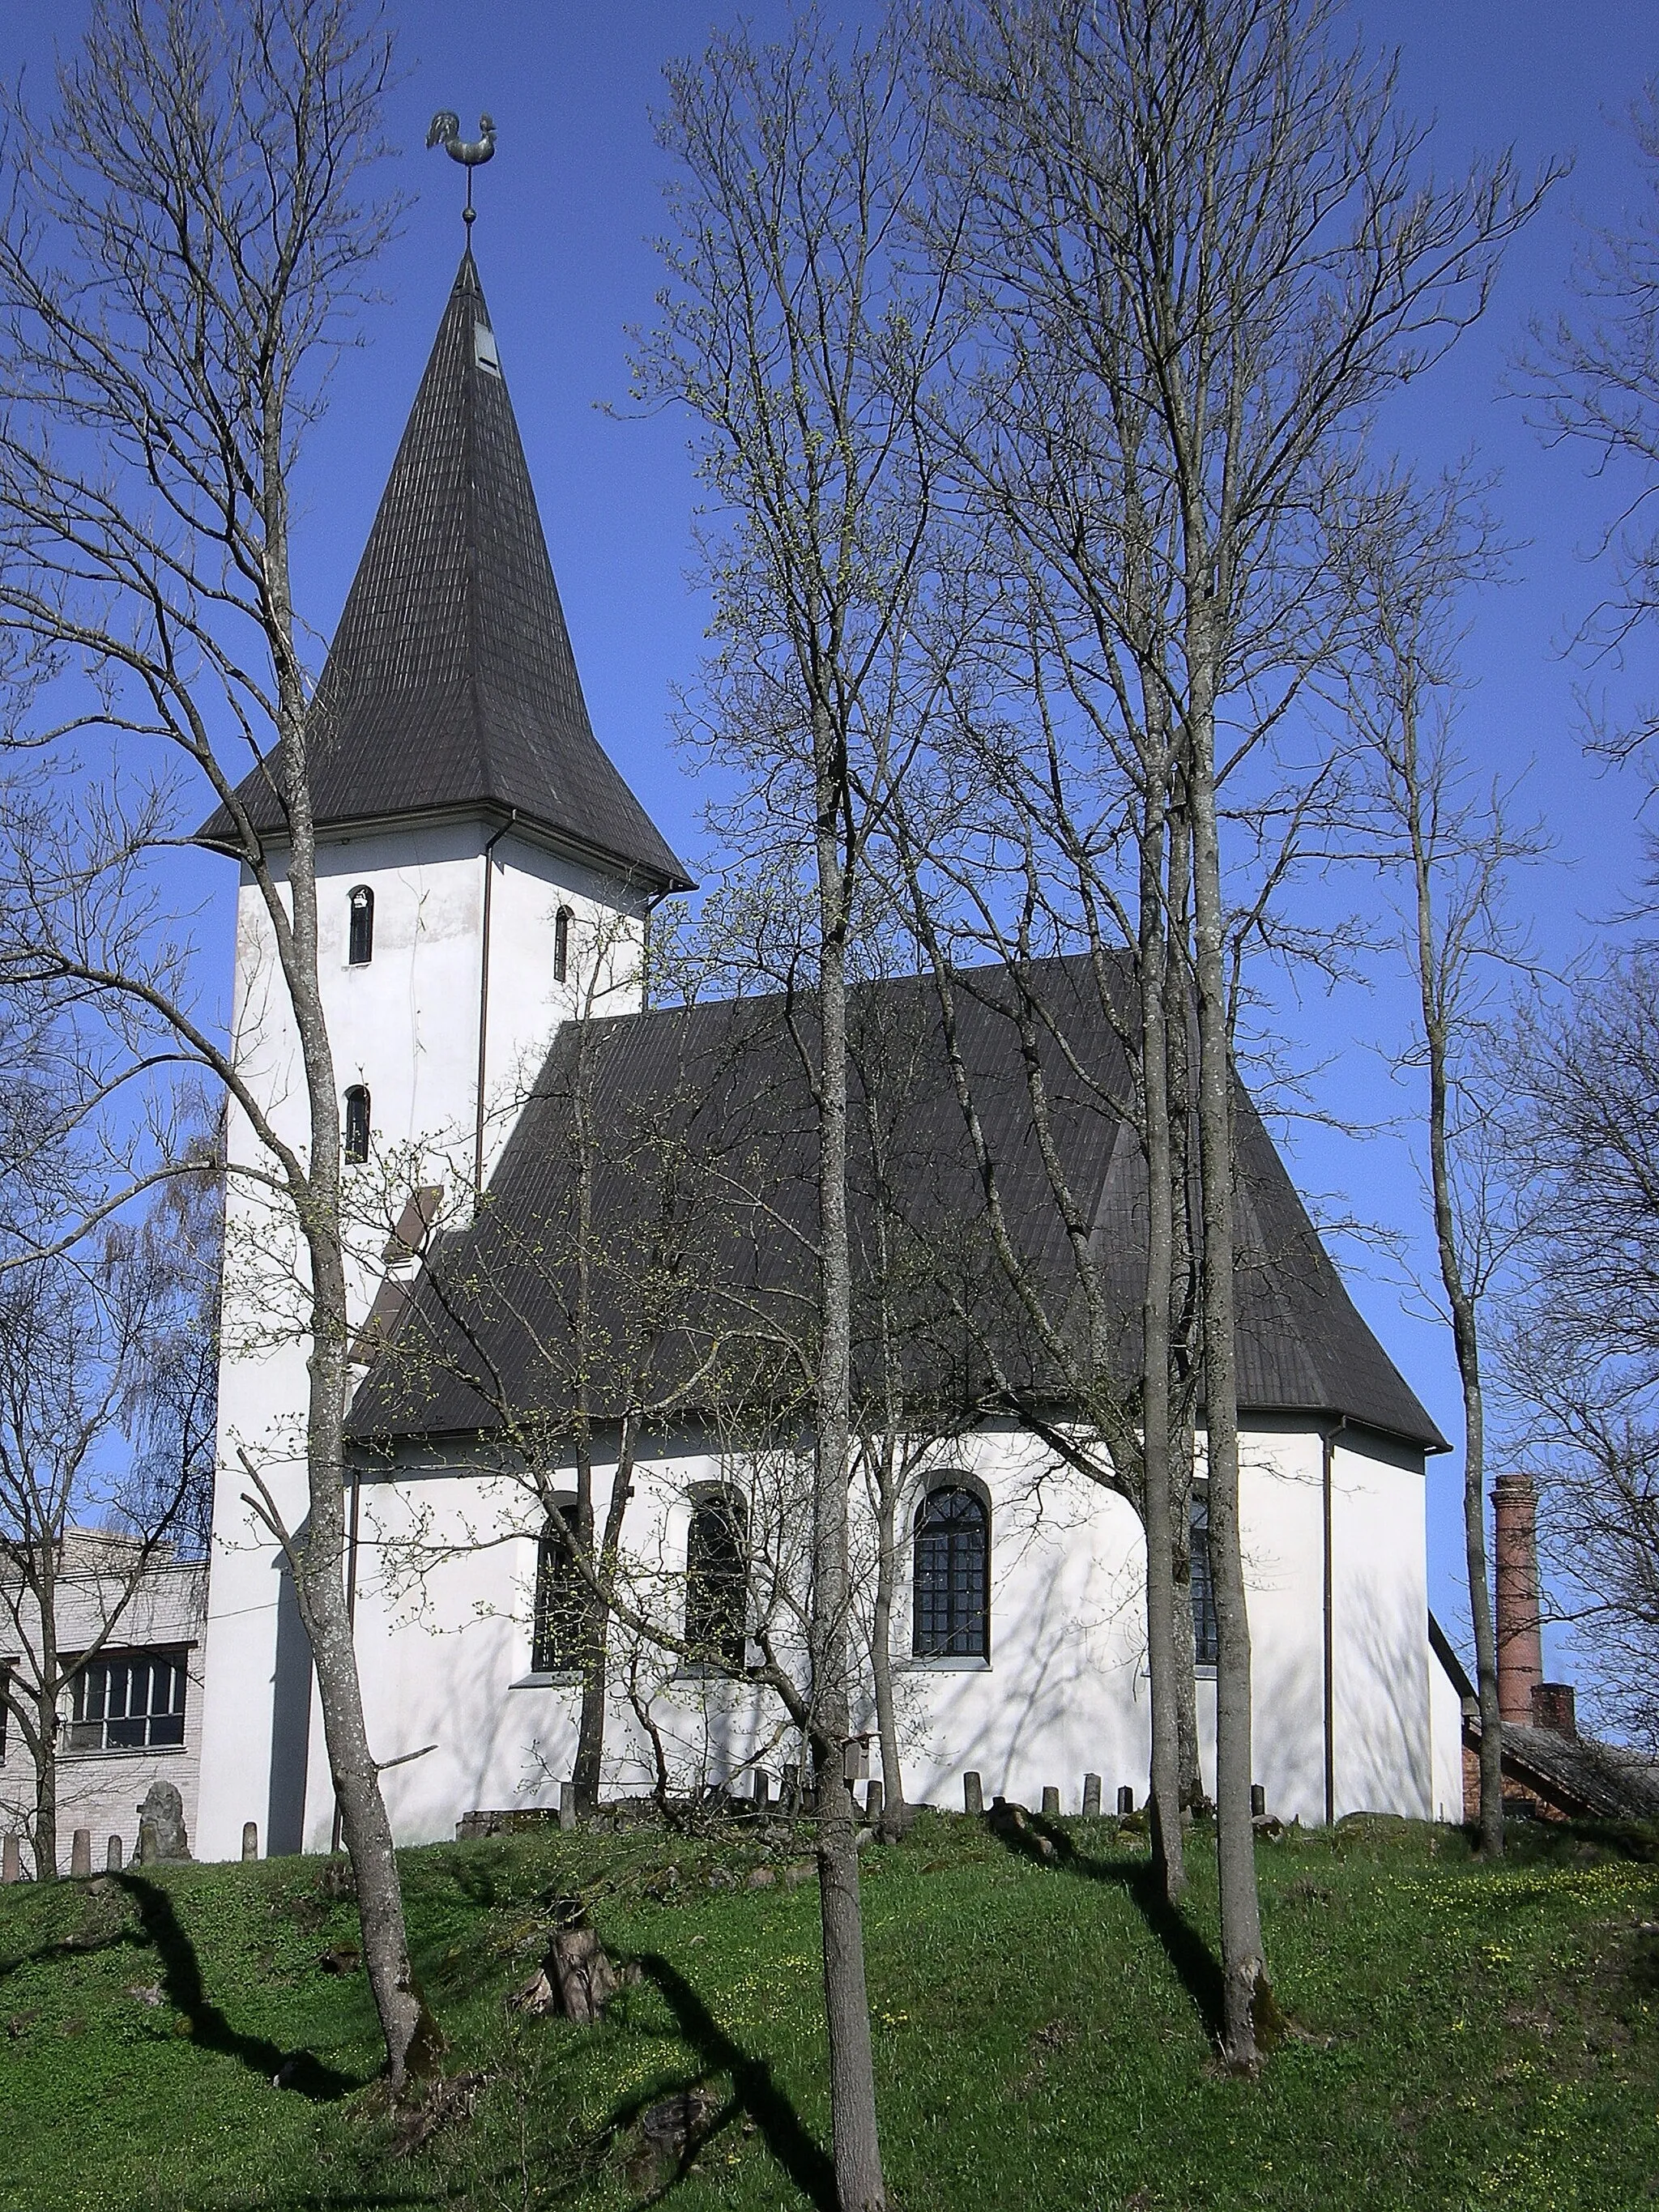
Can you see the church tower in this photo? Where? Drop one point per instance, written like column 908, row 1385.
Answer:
column 483, row 873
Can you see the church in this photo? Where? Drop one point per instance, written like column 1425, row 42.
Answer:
column 583, row 1226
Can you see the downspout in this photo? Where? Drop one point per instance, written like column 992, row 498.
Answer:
column 1330, row 1441
column 484, row 1005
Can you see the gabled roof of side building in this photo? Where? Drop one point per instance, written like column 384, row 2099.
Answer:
column 451, row 684
column 703, row 1183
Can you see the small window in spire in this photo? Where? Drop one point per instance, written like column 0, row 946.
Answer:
column 483, row 349
column 360, row 949
column 357, row 1125
column 561, row 946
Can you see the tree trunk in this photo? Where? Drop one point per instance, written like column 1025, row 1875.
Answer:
column 1168, row 1861
column 881, row 1636
column 1246, row 2002
column 859, row 2184
column 45, row 1781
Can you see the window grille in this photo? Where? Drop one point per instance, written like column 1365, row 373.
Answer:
column 360, row 949
column 357, row 1125
column 1203, row 1585
column 127, row 1701
column 952, row 1576
column 561, row 946
column 717, row 1580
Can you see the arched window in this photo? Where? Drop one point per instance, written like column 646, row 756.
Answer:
column 555, row 1639
column 561, row 946
column 359, row 945
column 717, row 1580
column 1204, row 1640
column 952, row 1613
column 356, row 1124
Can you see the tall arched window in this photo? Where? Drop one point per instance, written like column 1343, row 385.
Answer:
column 717, row 1580
column 359, row 945
column 1206, row 1643
column 952, row 1612
column 356, row 1124
column 555, row 1640
column 561, row 946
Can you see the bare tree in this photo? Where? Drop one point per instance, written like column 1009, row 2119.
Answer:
column 1408, row 556
column 106, row 1433
column 1227, row 235
column 187, row 239
column 1594, row 379
column 1582, row 1352
column 806, row 351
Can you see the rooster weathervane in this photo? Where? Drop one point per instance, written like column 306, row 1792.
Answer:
column 472, row 153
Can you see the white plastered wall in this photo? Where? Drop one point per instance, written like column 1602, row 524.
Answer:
column 445, row 1657
column 407, row 1026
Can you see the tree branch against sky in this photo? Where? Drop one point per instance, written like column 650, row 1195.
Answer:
column 806, row 352
column 1224, row 228
column 188, row 240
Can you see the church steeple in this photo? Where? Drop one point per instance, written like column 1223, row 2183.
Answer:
column 451, row 684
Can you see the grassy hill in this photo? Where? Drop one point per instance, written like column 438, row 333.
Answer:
column 1463, row 2038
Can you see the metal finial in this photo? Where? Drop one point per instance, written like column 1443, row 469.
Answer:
column 472, row 153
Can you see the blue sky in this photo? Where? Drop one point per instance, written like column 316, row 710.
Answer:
column 567, row 212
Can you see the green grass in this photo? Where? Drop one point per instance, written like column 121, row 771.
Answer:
column 1463, row 2038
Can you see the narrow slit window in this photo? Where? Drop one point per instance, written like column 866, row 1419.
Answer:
column 360, row 948
column 357, row 1125
column 717, row 1580
column 561, row 946
column 952, row 1617
column 1206, row 1643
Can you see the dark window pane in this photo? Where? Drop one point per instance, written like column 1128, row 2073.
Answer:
column 717, row 1581
column 127, row 1702
column 952, row 1576
column 357, row 1125
column 1203, row 1586
column 562, row 945
column 556, row 1632
column 361, row 949
column 167, row 1728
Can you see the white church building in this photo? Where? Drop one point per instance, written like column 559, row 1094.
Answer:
column 512, row 1106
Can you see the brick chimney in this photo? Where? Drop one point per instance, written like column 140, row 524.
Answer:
column 1555, row 1708
column 1520, row 1644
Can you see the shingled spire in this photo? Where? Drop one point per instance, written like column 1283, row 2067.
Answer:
column 451, row 684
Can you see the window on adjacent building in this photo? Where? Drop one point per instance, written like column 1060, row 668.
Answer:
column 717, row 1580
column 556, row 1632
column 1203, row 1584
column 952, row 1614
column 360, row 948
column 561, row 946
column 127, row 1701
column 356, row 1124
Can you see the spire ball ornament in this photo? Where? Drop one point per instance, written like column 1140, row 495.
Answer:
column 472, row 153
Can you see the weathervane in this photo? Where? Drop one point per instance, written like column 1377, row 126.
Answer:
column 446, row 131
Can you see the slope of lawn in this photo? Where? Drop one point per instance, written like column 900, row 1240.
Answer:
column 202, row 2038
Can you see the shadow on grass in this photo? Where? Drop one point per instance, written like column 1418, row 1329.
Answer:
column 181, row 1981
column 1196, row 1967
column 754, row 2091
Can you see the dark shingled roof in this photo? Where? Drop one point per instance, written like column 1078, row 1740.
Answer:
column 705, row 1171
column 451, row 681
